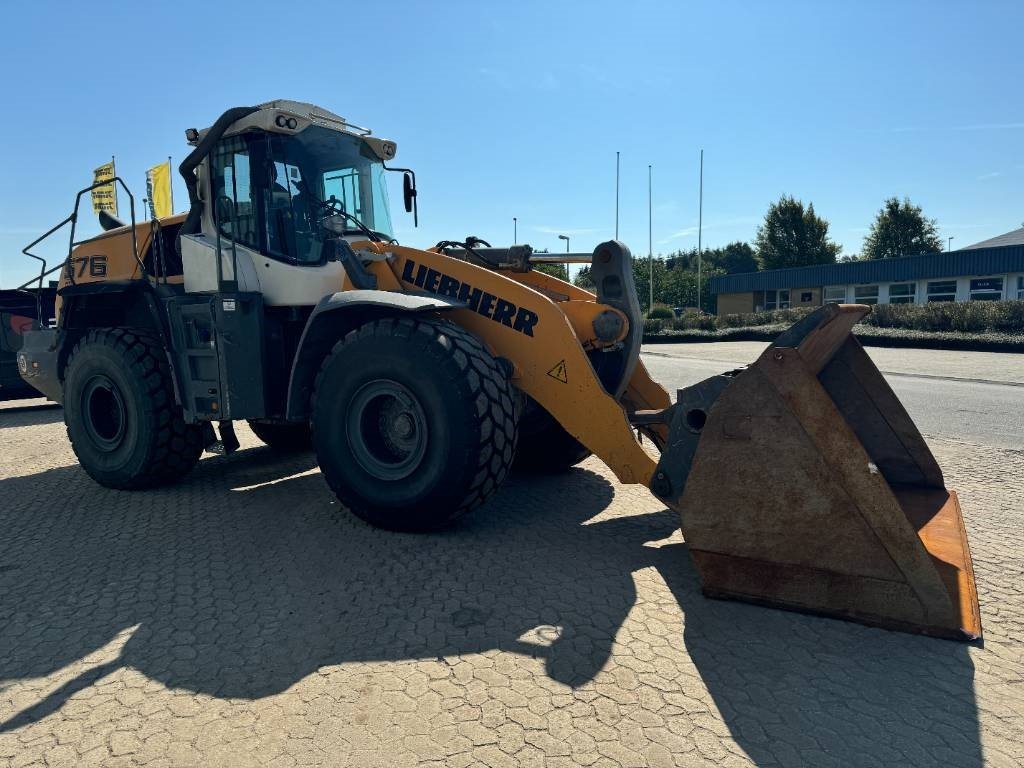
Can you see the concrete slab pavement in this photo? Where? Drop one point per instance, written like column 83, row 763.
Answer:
column 1004, row 367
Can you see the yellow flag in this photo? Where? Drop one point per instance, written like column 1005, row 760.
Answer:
column 104, row 198
column 158, row 188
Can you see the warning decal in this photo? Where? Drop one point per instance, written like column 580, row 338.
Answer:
column 558, row 372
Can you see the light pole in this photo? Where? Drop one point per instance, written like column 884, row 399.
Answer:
column 567, row 267
column 515, row 231
column 949, row 242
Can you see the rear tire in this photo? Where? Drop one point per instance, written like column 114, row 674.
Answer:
column 121, row 417
column 544, row 445
column 283, row 438
column 414, row 423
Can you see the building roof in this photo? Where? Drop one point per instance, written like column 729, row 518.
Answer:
column 965, row 262
column 1016, row 237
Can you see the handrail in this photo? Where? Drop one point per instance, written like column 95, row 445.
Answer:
column 73, row 220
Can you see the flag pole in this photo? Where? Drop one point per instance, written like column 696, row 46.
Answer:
column 113, row 167
column 616, row 195
column 700, row 224
column 650, row 239
column 170, row 181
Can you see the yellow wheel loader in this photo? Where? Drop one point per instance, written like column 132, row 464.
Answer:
column 419, row 377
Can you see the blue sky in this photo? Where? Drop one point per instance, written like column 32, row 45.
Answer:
column 517, row 108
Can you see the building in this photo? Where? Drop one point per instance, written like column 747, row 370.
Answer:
column 986, row 271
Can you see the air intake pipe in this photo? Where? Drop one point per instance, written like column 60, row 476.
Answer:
column 188, row 166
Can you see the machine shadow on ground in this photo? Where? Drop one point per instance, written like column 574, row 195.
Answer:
column 804, row 690
column 248, row 576
column 28, row 413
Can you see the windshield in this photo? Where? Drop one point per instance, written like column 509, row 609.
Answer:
column 335, row 166
column 278, row 186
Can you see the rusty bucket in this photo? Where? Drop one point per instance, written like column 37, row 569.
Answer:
column 803, row 484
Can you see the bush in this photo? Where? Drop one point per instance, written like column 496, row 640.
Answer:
column 774, row 317
column 661, row 313
column 692, row 319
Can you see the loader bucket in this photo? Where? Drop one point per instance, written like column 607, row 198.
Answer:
column 803, row 484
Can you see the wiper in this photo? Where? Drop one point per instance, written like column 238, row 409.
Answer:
column 359, row 225
column 381, row 237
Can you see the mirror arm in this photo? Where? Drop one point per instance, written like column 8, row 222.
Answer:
column 412, row 191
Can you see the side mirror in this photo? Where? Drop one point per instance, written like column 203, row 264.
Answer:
column 409, row 196
column 408, row 192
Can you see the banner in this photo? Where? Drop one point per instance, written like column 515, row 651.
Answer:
column 104, row 198
column 158, row 190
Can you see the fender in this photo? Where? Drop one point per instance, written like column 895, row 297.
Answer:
column 531, row 330
column 107, row 303
column 335, row 316
column 37, row 362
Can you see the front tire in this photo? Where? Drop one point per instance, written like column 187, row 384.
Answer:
column 414, row 423
column 121, row 417
column 544, row 445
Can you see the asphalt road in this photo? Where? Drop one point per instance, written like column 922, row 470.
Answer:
column 973, row 410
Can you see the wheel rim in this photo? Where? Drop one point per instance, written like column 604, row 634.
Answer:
column 105, row 413
column 387, row 430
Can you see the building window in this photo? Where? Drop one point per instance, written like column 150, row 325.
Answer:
column 776, row 300
column 865, row 294
column 1020, row 287
column 835, row 294
column 944, row 290
column 902, row 293
column 987, row 289
column 806, row 297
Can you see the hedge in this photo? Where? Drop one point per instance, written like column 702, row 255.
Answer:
column 992, row 325
column 661, row 313
column 965, row 317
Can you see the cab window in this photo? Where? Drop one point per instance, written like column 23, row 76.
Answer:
column 234, row 209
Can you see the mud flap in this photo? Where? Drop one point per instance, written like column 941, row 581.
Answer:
column 802, row 483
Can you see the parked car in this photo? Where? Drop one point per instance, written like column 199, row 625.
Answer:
column 18, row 313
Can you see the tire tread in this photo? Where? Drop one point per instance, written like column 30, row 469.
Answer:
column 176, row 446
column 491, row 392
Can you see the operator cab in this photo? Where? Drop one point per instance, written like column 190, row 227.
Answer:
column 272, row 192
column 277, row 187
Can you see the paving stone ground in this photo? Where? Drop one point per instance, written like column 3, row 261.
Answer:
column 241, row 618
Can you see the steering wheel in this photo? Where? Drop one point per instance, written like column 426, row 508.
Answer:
column 334, row 207
column 331, row 206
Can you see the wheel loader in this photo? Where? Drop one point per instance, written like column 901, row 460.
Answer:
column 421, row 377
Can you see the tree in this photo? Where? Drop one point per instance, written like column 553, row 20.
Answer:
column 730, row 260
column 555, row 270
column 642, row 280
column 901, row 229
column 681, row 287
column 794, row 236
column 734, row 258
column 674, row 285
column 584, row 279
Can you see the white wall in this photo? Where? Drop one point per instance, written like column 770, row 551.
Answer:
column 963, row 288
